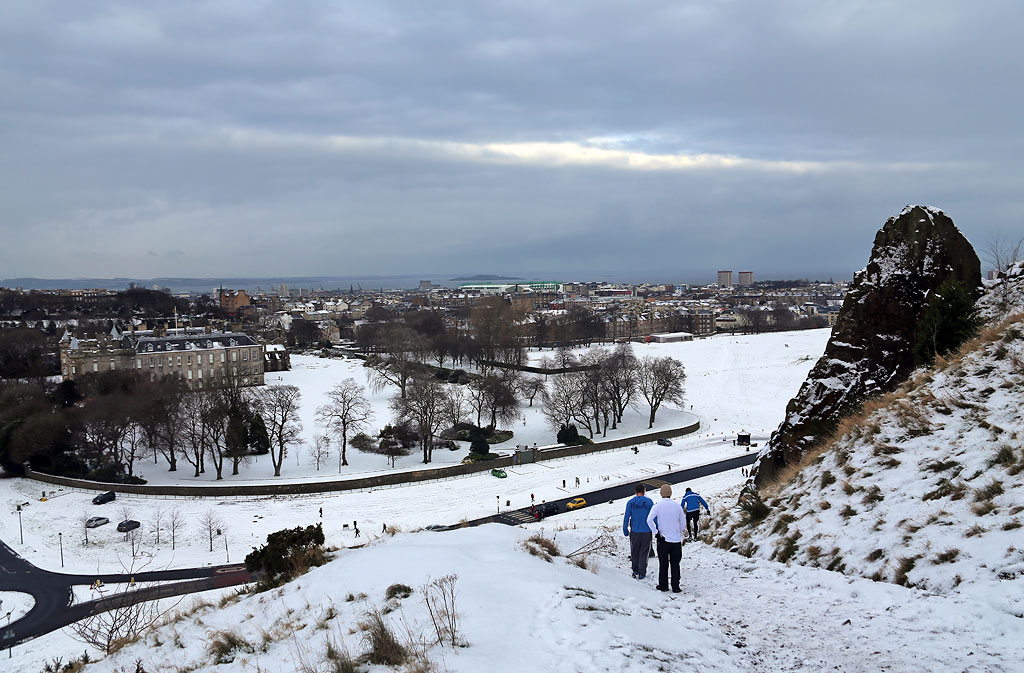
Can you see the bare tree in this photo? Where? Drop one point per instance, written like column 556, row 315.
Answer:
column 531, row 386
column 158, row 521
column 1002, row 253
column 320, row 450
column 212, row 524
column 561, row 400
column 619, row 375
column 403, row 351
column 175, row 524
column 423, row 406
column 119, row 617
column 280, row 408
column 660, row 380
column 84, row 520
column 347, row 411
column 456, row 405
column 125, row 513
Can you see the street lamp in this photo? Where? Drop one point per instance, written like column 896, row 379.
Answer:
column 21, row 532
column 60, row 541
column 498, row 498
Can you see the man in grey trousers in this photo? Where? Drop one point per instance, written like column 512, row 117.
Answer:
column 634, row 526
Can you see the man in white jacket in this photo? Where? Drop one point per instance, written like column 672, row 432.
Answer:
column 666, row 520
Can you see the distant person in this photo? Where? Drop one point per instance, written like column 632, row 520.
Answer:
column 634, row 526
column 692, row 502
column 666, row 522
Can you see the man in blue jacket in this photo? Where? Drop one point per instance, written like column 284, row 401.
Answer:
column 692, row 503
column 634, row 526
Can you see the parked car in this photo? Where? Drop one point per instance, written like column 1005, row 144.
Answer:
column 548, row 508
column 127, row 525
column 104, row 497
column 664, row 442
column 575, row 503
column 96, row 521
column 500, row 474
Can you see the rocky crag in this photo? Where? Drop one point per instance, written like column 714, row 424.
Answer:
column 871, row 348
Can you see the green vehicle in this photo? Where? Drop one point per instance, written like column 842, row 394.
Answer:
column 500, row 474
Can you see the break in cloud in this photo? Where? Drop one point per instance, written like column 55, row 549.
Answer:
column 568, row 139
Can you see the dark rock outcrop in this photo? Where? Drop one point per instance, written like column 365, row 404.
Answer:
column 872, row 343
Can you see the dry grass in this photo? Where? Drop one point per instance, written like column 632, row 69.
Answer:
column 382, row 646
column 989, row 491
column 543, row 547
column 875, row 555
column 947, row 556
column 976, row 529
column 904, row 564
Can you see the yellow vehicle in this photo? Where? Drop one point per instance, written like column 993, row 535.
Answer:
column 576, row 503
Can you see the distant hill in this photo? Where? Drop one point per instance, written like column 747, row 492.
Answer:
column 484, row 277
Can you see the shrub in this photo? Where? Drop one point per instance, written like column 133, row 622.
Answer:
column 946, row 488
column 827, row 478
column 398, row 591
column 947, row 556
column 752, row 507
column 1012, row 524
column 940, row 465
column 875, row 555
column 287, row 553
column 982, row 508
column 224, row 644
column 846, row 512
column 989, row 491
column 363, row 442
column 873, row 495
column 383, row 647
column 1003, row 456
column 976, row 529
column 568, row 435
column 904, row 564
column 538, row 545
column 949, row 320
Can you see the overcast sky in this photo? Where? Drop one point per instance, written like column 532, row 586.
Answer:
column 551, row 138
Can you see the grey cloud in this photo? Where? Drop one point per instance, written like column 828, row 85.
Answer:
column 118, row 123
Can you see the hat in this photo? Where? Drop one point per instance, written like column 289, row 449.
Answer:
column 666, row 491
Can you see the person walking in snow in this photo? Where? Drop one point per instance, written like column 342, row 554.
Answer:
column 666, row 522
column 692, row 503
column 634, row 526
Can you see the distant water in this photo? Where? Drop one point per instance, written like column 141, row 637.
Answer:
column 206, row 285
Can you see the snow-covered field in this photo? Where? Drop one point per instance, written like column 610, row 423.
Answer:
column 733, row 383
column 752, row 387
column 521, row 613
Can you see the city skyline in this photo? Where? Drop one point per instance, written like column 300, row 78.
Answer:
column 577, row 140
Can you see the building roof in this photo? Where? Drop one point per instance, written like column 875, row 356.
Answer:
column 193, row 342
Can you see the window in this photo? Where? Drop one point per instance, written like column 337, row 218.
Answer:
column 95, row 366
column 138, row 363
column 211, row 358
column 179, row 361
column 201, row 372
column 222, row 356
column 234, row 356
column 151, row 362
column 111, row 365
column 190, row 359
column 190, row 374
column 73, row 369
column 245, row 355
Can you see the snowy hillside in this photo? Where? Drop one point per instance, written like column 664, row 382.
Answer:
column 925, row 487
column 520, row 612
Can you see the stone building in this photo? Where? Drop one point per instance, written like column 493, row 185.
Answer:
column 191, row 354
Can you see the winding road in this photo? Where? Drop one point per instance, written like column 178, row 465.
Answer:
column 53, row 592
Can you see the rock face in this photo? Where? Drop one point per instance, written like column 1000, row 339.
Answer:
column 871, row 348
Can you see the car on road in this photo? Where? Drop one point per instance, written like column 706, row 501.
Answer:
column 109, row 496
column 576, row 503
column 127, row 525
column 500, row 474
column 664, row 442
column 96, row 521
column 435, row 527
